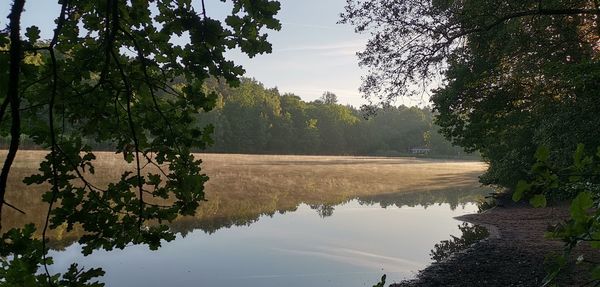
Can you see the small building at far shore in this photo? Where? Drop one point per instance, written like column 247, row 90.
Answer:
column 419, row 150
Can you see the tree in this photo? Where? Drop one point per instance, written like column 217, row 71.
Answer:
column 412, row 40
column 249, row 111
column 332, row 122
column 112, row 73
column 329, row 98
column 393, row 130
column 505, row 66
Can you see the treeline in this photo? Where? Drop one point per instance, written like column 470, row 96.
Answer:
column 253, row 119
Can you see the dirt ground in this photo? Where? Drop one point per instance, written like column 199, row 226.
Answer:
column 513, row 255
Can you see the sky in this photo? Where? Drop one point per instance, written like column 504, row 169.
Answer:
column 311, row 53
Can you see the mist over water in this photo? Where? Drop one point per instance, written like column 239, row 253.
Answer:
column 284, row 221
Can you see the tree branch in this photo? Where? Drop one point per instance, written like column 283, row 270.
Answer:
column 53, row 151
column 16, row 49
column 540, row 11
column 129, row 94
column 142, row 59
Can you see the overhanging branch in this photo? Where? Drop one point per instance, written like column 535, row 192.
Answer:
column 538, row 12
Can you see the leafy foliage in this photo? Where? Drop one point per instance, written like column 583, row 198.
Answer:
column 503, row 68
column 579, row 180
column 381, row 282
column 22, row 256
column 413, row 41
column 114, row 73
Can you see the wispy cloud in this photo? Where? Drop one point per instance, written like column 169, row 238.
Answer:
column 312, row 26
column 345, row 47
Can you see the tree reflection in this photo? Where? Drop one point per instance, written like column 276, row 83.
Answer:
column 324, row 210
column 470, row 234
column 454, row 197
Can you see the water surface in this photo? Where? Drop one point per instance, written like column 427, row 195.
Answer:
column 352, row 247
column 281, row 221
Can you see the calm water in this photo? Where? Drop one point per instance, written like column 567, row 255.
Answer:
column 353, row 246
column 281, row 221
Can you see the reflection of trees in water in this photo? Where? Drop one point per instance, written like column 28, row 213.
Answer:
column 324, row 210
column 470, row 235
column 453, row 197
column 213, row 223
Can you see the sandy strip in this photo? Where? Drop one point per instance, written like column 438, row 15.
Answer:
column 513, row 255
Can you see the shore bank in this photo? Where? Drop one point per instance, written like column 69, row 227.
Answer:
column 513, row 255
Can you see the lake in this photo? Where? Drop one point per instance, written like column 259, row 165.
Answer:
column 286, row 220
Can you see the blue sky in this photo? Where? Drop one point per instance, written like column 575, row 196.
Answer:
column 311, row 53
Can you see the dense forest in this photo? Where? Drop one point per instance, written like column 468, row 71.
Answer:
column 251, row 118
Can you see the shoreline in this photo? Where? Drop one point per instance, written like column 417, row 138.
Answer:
column 462, row 158
column 514, row 254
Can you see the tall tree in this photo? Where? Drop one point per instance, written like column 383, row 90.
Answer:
column 503, row 67
column 329, row 98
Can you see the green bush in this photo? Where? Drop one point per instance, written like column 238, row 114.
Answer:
column 578, row 182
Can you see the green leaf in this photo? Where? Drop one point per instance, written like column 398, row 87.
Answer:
column 580, row 161
column 520, row 190
column 578, row 155
column 595, row 240
column 538, row 200
column 192, row 183
column 580, row 205
column 127, row 156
